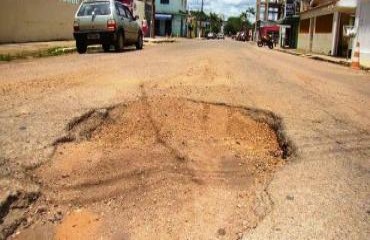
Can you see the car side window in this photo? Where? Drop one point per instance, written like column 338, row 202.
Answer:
column 121, row 10
column 128, row 13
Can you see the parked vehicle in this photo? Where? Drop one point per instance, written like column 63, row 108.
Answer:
column 106, row 22
column 220, row 36
column 267, row 36
column 211, row 35
column 241, row 36
column 266, row 41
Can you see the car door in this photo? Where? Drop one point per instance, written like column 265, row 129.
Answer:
column 133, row 26
column 124, row 21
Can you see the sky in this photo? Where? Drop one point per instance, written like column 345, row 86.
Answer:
column 226, row 7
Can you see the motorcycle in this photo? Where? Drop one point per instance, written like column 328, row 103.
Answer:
column 266, row 42
column 267, row 35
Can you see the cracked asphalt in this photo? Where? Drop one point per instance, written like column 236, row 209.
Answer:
column 322, row 192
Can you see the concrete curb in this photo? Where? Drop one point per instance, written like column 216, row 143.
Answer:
column 157, row 41
column 74, row 49
column 344, row 63
column 55, row 51
column 315, row 57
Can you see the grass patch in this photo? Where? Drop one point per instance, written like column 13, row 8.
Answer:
column 55, row 51
column 5, row 57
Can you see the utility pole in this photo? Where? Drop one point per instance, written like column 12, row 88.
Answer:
column 152, row 25
column 202, row 6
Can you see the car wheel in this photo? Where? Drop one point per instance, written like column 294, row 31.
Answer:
column 140, row 42
column 118, row 45
column 106, row 47
column 81, row 46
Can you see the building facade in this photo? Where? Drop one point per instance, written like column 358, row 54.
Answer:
column 170, row 17
column 362, row 30
column 289, row 24
column 37, row 20
column 268, row 12
column 143, row 10
column 321, row 26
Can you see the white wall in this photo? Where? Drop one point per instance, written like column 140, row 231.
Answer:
column 36, row 20
column 322, row 43
column 363, row 31
column 176, row 26
column 303, row 42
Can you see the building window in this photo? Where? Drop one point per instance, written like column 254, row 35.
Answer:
column 273, row 13
column 304, row 26
column 165, row 1
column 72, row 1
column 324, row 24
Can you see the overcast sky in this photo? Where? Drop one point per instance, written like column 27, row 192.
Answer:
column 226, row 7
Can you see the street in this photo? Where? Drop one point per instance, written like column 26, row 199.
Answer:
column 186, row 140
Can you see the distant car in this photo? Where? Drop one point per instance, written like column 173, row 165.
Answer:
column 220, row 36
column 211, row 35
column 106, row 22
column 241, row 36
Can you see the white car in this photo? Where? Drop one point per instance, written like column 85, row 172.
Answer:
column 211, row 35
column 220, row 36
column 106, row 22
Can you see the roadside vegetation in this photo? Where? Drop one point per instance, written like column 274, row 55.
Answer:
column 239, row 23
column 214, row 20
column 55, row 51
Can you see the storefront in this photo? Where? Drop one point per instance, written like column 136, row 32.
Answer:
column 163, row 24
column 289, row 32
column 322, row 29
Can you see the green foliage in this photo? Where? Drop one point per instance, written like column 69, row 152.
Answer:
column 234, row 25
column 199, row 16
column 55, row 51
column 215, row 22
column 251, row 11
column 239, row 23
column 5, row 57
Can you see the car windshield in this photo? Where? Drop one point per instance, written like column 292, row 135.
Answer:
column 99, row 8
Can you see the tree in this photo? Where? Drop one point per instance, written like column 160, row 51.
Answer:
column 215, row 22
column 251, row 11
column 234, row 25
column 199, row 16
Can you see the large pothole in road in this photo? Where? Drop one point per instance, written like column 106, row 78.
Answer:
column 165, row 168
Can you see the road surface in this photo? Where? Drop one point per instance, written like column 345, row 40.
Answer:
column 67, row 122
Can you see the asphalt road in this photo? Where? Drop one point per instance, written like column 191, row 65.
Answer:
column 322, row 192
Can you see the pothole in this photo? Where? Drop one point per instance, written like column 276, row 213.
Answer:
column 165, row 168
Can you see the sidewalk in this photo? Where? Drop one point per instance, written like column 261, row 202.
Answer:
column 157, row 40
column 16, row 49
column 325, row 58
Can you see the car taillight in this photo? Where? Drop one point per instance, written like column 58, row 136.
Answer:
column 76, row 26
column 111, row 25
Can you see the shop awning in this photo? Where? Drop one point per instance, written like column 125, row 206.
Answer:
column 346, row 6
column 274, row 28
column 289, row 20
column 160, row 16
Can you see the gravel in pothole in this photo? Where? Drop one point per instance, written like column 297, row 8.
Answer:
column 167, row 168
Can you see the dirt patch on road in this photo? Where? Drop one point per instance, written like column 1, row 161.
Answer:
column 167, row 168
column 78, row 225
